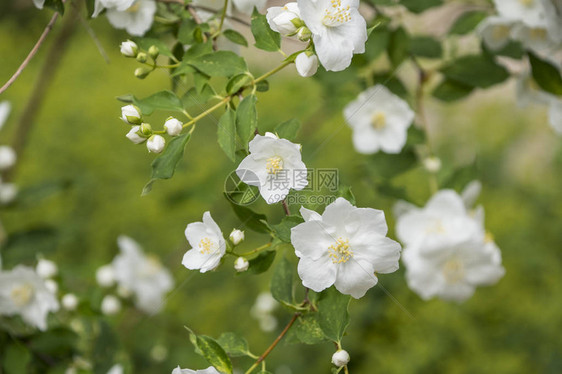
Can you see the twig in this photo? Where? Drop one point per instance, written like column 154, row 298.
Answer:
column 32, row 53
column 286, row 207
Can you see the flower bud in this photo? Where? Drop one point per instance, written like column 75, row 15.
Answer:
column 304, row 34
column 133, row 135
column 46, row 269
column 173, row 126
column 110, row 305
column 124, row 292
column 7, row 157
column 131, row 114
column 340, row 358
column 153, row 52
column 236, row 236
column 285, row 20
column 306, row 64
column 142, row 57
column 129, row 48
column 432, row 164
column 155, row 144
column 69, row 301
column 52, row 286
column 142, row 73
column 146, row 129
column 241, row 264
column 8, row 192
column 105, row 276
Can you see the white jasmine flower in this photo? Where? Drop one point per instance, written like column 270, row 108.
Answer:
column 105, row 276
column 5, row 109
column 110, row 305
column 133, row 135
column 530, row 12
column 129, row 49
column 23, row 292
column 69, row 302
column 379, row 120
column 555, row 115
column 144, row 275
column 443, row 220
column 119, row 5
column 236, row 236
column 306, row 64
column 275, row 167
column 46, row 268
column 116, row 369
column 338, row 30
column 131, row 114
column 241, row 264
column 156, row 144
column 533, row 38
column 7, row 157
column 495, row 32
column 265, row 304
column 247, row 6
column 39, row 3
column 137, row 19
column 207, row 245
column 344, row 247
column 453, row 271
column 340, row 358
column 209, row 370
column 173, row 126
column 8, row 192
column 285, row 20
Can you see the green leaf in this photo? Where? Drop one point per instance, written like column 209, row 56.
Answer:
column 398, row 46
column 164, row 166
column 346, row 193
column 333, row 316
column 449, row 91
column 163, row 100
column 282, row 282
column 235, row 37
column 308, row 331
column 288, row 129
column 236, row 83
column 247, row 119
column 513, row 49
column 22, row 247
column 425, row 46
column 220, row 64
column 546, row 75
column 393, row 83
column 186, row 30
column 467, row 22
column 105, row 347
column 377, row 43
column 419, row 6
column 234, row 344
column 249, row 218
column 56, row 5
column 214, row 354
column 388, row 166
column 16, row 358
column 262, row 262
column 283, row 230
column 226, row 134
column 475, row 71
column 266, row 38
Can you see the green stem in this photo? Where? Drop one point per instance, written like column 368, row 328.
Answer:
column 208, row 111
column 223, row 16
column 270, row 73
column 257, row 250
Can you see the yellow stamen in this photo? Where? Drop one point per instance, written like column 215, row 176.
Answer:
column 527, row 3
column 21, row 295
column 206, row 246
column 500, row 32
column 336, row 14
column 340, row 252
column 274, row 164
column 133, row 8
column 453, row 271
column 378, row 121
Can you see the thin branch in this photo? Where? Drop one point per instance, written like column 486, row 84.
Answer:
column 286, row 207
column 32, row 53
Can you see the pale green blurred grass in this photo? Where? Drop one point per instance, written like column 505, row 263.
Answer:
column 508, row 328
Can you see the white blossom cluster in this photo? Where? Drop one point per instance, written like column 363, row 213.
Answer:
column 447, row 251
column 537, row 25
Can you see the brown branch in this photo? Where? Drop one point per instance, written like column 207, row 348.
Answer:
column 286, row 207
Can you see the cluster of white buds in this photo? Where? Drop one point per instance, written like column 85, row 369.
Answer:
column 131, row 49
column 142, row 131
column 287, row 21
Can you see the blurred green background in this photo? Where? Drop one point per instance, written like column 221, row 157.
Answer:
column 78, row 141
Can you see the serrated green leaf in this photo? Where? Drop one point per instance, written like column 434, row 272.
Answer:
column 226, row 134
column 282, row 282
column 163, row 100
column 467, row 22
column 449, row 90
column 235, row 37
column 475, row 71
column 288, row 129
column 220, row 64
column 308, row 330
column 186, row 30
column 266, row 38
column 425, row 46
column 262, row 262
column 164, row 166
column 333, row 316
column 247, row 119
column 214, row 354
column 234, row 344
column 546, row 75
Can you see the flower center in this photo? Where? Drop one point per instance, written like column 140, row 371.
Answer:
column 336, row 14
column 151, row 267
column 340, row 252
column 538, row 34
column 500, row 32
column 21, row 295
column 378, row 121
column 436, row 227
column 206, row 246
column 274, row 164
column 453, row 271
column 133, row 8
column 527, row 3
